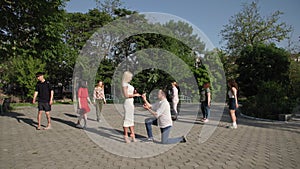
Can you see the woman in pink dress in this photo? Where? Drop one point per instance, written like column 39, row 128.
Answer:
column 83, row 106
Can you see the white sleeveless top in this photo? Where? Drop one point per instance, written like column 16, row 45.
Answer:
column 230, row 94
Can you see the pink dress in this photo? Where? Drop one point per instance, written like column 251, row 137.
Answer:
column 83, row 95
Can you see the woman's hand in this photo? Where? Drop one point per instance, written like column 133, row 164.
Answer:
column 136, row 95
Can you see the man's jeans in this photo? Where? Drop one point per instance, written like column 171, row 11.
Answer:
column 164, row 132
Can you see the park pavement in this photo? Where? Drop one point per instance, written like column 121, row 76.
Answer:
column 255, row 144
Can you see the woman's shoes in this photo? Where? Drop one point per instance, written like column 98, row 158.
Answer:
column 133, row 137
column 126, row 139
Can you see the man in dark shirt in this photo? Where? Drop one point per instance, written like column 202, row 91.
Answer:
column 44, row 92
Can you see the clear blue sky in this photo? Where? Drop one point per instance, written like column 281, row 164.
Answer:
column 208, row 15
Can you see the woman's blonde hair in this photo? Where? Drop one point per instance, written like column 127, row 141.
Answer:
column 127, row 76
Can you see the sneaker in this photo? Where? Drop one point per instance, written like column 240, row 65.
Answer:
column 184, row 140
column 205, row 121
column 148, row 140
column 232, row 127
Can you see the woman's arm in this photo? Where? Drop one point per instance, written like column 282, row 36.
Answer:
column 235, row 97
column 208, row 99
column 125, row 93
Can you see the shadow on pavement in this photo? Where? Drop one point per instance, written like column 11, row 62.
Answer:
column 20, row 118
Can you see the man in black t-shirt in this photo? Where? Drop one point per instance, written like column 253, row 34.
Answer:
column 44, row 92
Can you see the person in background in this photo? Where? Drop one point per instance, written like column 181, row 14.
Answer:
column 205, row 99
column 99, row 98
column 128, row 92
column 83, row 104
column 233, row 101
column 175, row 97
column 45, row 93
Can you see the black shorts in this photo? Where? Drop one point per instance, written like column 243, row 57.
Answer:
column 44, row 107
column 231, row 104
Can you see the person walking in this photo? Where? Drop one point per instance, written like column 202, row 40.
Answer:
column 162, row 119
column 175, row 97
column 128, row 92
column 45, row 93
column 233, row 101
column 99, row 98
column 83, row 104
column 205, row 99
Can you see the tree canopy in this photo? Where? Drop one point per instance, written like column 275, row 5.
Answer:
column 248, row 27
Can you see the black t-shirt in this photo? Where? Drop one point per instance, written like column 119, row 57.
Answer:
column 44, row 91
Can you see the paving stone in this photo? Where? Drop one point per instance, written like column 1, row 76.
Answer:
column 255, row 144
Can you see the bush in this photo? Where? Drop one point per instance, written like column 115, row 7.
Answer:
column 270, row 101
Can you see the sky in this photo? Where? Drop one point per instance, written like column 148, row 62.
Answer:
column 208, row 15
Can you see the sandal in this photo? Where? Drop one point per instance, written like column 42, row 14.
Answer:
column 126, row 139
column 47, row 128
column 133, row 137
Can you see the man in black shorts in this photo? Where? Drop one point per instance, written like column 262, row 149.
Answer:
column 44, row 92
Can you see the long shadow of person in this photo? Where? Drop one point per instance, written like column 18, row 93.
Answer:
column 21, row 118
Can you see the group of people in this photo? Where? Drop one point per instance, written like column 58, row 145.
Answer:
column 160, row 110
column 84, row 99
column 205, row 99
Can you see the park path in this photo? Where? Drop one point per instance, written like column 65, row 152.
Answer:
column 255, row 144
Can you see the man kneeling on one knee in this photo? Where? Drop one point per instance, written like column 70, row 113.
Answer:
column 162, row 118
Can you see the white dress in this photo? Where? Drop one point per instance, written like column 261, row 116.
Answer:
column 128, row 107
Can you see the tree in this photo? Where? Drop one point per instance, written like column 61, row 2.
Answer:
column 31, row 30
column 24, row 70
column 109, row 6
column 30, row 26
column 248, row 27
column 262, row 63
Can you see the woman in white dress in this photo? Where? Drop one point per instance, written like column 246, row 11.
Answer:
column 128, row 92
column 175, row 98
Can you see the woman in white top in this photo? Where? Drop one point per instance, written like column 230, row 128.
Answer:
column 233, row 101
column 99, row 98
column 175, row 98
column 128, row 92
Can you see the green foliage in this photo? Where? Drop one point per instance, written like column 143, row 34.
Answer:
column 295, row 77
column 262, row 63
column 32, row 26
column 270, row 101
column 248, row 27
column 24, row 70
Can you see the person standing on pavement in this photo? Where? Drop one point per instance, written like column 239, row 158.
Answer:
column 45, row 93
column 205, row 99
column 175, row 97
column 233, row 101
column 162, row 118
column 83, row 104
column 128, row 92
column 99, row 98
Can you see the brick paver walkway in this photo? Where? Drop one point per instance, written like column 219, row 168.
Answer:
column 255, row 144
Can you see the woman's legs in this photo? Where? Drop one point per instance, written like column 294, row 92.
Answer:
column 233, row 118
column 98, row 109
column 126, row 135
column 85, row 120
column 132, row 134
column 175, row 103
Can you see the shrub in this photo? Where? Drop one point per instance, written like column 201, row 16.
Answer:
column 271, row 100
